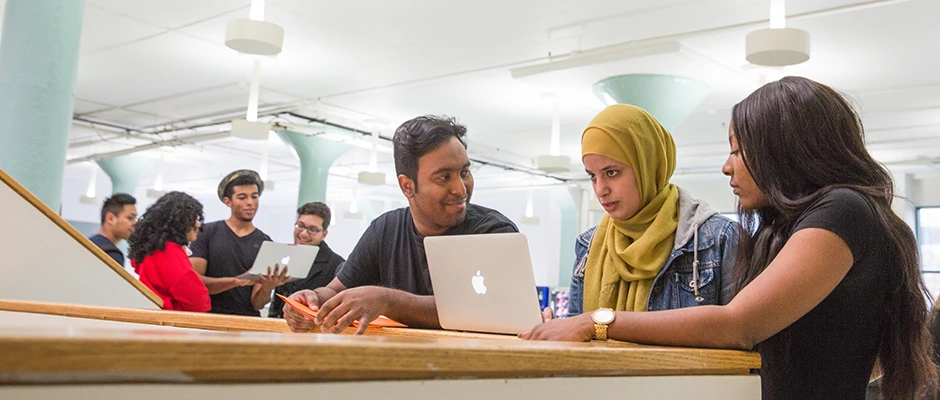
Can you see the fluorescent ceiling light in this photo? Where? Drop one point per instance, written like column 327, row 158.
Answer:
column 599, row 56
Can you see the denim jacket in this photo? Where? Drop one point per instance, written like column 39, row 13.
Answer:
column 703, row 256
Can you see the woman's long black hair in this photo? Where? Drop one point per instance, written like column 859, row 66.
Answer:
column 801, row 140
column 167, row 220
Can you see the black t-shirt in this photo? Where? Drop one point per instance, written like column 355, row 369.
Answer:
column 228, row 255
column 829, row 353
column 108, row 247
column 324, row 269
column 391, row 254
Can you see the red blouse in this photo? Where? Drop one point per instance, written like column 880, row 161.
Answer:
column 170, row 275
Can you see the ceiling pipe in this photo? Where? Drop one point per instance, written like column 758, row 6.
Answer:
column 504, row 166
column 213, row 136
column 155, row 145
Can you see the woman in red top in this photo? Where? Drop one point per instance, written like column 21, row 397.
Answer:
column 158, row 254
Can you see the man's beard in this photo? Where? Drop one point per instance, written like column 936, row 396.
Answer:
column 240, row 218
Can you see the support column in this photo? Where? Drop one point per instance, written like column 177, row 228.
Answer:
column 38, row 70
column 125, row 171
column 316, row 156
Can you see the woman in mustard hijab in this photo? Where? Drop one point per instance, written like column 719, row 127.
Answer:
column 657, row 247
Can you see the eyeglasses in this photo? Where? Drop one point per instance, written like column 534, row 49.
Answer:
column 310, row 229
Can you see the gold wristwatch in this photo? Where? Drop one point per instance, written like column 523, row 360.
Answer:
column 602, row 318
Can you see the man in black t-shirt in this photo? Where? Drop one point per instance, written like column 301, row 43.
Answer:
column 226, row 249
column 387, row 273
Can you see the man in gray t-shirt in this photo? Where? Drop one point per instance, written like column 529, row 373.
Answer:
column 387, row 272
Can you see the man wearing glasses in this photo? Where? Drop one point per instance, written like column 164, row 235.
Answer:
column 313, row 219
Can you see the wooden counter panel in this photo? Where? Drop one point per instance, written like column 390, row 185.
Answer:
column 182, row 319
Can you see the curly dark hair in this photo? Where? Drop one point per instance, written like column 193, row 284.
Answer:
column 167, row 220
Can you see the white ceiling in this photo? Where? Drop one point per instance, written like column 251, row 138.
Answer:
column 148, row 65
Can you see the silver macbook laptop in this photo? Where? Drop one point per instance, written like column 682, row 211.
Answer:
column 297, row 258
column 483, row 283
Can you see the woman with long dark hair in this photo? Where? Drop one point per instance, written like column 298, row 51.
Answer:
column 830, row 279
column 159, row 255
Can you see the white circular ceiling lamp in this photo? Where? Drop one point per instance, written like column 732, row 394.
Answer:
column 257, row 38
column 373, row 176
column 529, row 217
column 157, row 191
column 353, row 212
column 248, row 36
column 777, row 46
column 554, row 161
column 89, row 197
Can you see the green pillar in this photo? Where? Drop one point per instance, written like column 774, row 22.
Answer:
column 125, row 171
column 568, row 200
column 668, row 98
column 316, row 156
column 38, row 69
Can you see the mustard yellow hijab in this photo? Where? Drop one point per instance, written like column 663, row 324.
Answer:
column 626, row 256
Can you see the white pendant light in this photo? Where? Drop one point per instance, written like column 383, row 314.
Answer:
column 778, row 45
column 353, row 212
column 529, row 218
column 89, row 197
column 157, row 190
column 258, row 38
column 554, row 161
column 263, row 169
column 254, row 35
column 373, row 176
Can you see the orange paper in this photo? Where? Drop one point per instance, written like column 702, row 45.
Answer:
column 380, row 322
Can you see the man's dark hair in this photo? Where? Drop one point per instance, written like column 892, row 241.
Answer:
column 115, row 204
column 419, row 136
column 316, row 208
column 244, row 180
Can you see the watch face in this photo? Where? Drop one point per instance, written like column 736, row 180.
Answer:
column 603, row 316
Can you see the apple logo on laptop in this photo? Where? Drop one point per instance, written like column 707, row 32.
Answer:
column 478, row 285
column 285, row 260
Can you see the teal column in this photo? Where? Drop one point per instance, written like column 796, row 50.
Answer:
column 38, row 69
column 668, row 98
column 316, row 156
column 568, row 200
column 125, row 171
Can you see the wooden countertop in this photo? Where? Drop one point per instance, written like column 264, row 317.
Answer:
column 55, row 354
column 70, row 354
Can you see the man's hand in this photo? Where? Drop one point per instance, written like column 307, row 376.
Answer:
column 273, row 279
column 363, row 304
column 574, row 329
column 295, row 320
column 231, row 283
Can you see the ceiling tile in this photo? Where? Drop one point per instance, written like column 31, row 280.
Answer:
column 157, row 67
column 103, row 29
column 172, row 14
